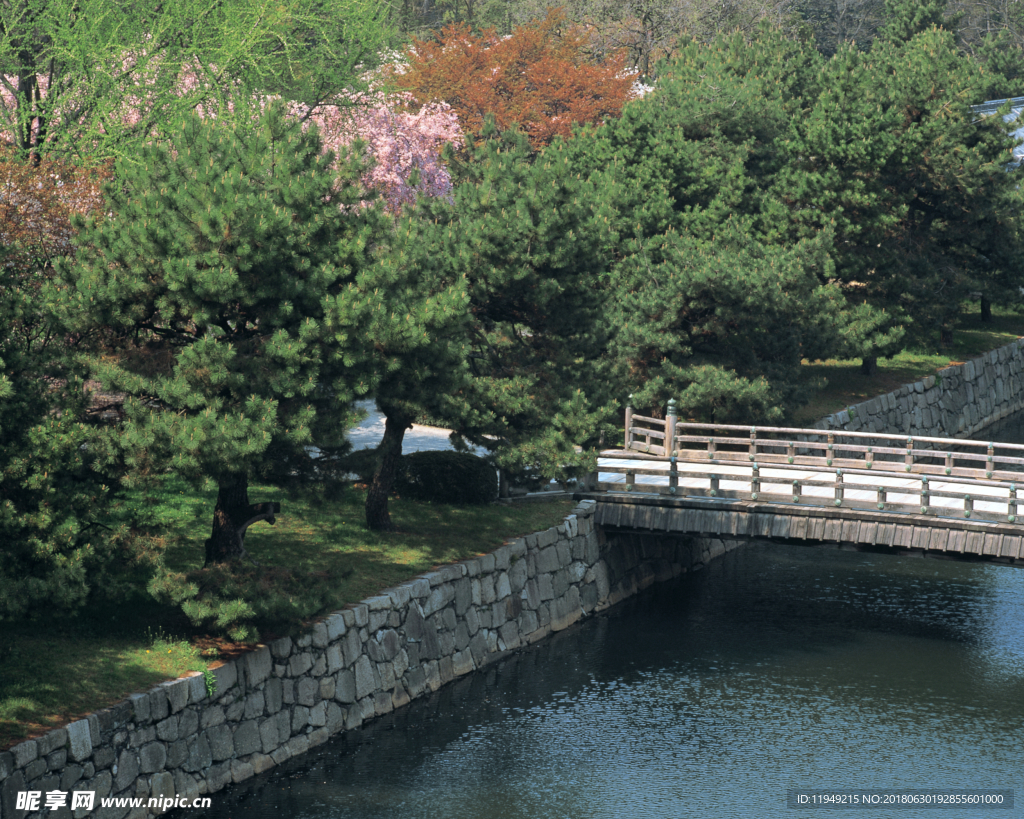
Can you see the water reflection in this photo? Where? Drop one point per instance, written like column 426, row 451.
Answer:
column 777, row 667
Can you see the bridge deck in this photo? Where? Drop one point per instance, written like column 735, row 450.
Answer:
column 816, row 487
column 929, row 495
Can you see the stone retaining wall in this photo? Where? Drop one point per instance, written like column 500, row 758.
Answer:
column 957, row 403
column 364, row 661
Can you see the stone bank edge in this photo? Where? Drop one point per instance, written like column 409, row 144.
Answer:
column 958, row 402
column 282, row 699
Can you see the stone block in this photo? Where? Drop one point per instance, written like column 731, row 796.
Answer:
column 433, row 678
column 71, row 775
column 297, row 745
column 472, row 621
column 218, row 777
column 273, row 695
column 57, row 760
column 211, row 715
column 300, row 663
column 509, row 635
column 225, row 675
column 197, row 688
column 547, row 559
column 382, row 703
column 240, row 771
column 318, row 715
column 261, row 763
column 440, row 597
column 307, row 691
column 246, row 738
column 177, row 694
column 49, row 742
column 79, row 740
column 335, row 661
column 167, row 729
column 200, row 754
column 478, row 648
column 25, row 752
column 300, row 719
column 345, row 687
column 361, row 613
column 462, row 663
column 502, row 588
column 415, row 681
column 547, row 538
column 221, row 742
column 152, row 757
column 36, row 768
column 160, row 785
column 366, row 682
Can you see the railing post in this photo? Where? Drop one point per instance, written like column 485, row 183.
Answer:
column 671, row 417
column 673, row 476
column 949, row 463
column 881, row 498
column 1011, row 506
column 909, row 458
column 989, row 461
column 830, row 448
column 968, row 505
column 753, row 445
column 755, row 482
column 868, row 460
column 714, row 486
column 925, row 503
column 796, row 491
column 629, row 423
column 711, row 449
column 630, row 480
column 839, row 487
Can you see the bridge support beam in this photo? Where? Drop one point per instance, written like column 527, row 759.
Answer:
column 737, row 521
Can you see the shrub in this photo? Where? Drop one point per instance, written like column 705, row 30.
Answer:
column 447, row 477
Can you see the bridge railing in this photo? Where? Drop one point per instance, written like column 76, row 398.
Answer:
column 864, row 470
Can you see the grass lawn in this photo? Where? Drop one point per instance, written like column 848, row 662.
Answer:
column 318, row 557
column 834, row 385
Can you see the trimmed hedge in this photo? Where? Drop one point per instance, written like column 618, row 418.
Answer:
column 447, row 477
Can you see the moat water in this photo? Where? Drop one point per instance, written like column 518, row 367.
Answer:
column 777, row 667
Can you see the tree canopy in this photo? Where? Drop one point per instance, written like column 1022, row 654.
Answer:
column 539, row 78
column 92, row 78
column 232, row 286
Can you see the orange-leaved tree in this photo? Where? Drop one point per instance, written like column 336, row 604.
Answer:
column 541, row 78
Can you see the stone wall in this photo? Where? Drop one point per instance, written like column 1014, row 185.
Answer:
column 282, row 699
column 957, row 403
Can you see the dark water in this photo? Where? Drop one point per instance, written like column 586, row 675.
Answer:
column 777, row 667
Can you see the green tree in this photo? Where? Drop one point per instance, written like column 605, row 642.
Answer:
column 96, row 78
column 54, row 515
column 525, row 235
column 232, row 288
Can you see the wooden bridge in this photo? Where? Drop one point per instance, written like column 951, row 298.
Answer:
column 934, row 495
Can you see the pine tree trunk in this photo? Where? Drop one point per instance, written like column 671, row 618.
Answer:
column 986, row 309
column 868, row 365
column 377, row 517
column 232, row 516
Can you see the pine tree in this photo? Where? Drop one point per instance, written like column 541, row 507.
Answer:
column 906, row 18
column 232, row 291
column 54, row 518
column 526, row 236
